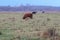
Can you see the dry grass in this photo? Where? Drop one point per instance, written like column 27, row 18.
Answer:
column 13, row 27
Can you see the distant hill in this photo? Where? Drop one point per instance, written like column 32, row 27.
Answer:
column 29, row 8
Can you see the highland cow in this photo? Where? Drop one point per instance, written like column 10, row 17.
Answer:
column 30, row 15
column 27, row 15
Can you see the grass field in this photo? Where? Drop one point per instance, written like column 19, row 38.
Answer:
column 13, row 27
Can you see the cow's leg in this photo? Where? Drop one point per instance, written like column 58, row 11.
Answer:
column 31, row 16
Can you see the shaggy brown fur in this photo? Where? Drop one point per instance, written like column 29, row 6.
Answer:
column 30, row 15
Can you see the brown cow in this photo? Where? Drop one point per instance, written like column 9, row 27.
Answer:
column 30, row 15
